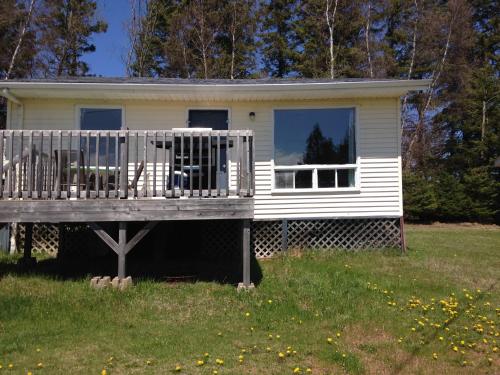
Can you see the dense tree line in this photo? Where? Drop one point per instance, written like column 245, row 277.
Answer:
column 450, row 132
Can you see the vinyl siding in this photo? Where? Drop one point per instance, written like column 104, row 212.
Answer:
column 378, row 150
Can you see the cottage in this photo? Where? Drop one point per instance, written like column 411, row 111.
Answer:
column 301, row 163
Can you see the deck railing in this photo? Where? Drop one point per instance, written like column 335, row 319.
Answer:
column 75, row 164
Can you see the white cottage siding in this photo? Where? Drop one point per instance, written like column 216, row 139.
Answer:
column 378, row 150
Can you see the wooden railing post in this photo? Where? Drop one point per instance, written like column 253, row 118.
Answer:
column 124, row 141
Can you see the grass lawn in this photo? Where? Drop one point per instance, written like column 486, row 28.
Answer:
column 433, row 310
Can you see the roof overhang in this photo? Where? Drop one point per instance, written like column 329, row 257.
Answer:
column 292, row 90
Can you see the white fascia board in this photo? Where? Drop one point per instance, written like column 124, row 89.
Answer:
column 243, row 91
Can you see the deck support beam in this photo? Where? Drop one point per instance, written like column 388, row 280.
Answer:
column 122, row 247
column 27, row 260
column 245, row 247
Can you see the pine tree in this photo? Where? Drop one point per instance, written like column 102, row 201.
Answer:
column 279, row 40
column 66, row 28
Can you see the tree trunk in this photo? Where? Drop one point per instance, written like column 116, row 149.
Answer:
column 331, row 28
column 367, row 39
column 20, row 40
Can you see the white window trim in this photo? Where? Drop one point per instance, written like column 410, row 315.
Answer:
column 315, row 189
column 79, row 107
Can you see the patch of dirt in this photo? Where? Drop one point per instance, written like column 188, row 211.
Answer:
column 380, row 354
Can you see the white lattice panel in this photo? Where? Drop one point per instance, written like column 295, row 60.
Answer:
column 45, row 238
column 345, row 234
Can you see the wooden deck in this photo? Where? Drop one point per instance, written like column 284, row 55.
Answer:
column 91, row 176
column 55, row 211
column 55, row 176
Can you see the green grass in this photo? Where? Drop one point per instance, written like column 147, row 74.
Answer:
column 67, row 327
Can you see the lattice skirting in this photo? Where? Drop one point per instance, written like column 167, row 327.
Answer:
column 222, row 238
column 271, row 237
column 45, row 238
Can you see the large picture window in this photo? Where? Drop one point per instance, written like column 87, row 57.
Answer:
column 314, row 148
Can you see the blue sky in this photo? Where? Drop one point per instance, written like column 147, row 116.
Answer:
column 111, row 47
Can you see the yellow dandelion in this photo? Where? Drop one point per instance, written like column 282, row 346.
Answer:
column 329, row 340
column 296, row 370
column 434, row 355
column 148, row 362
column 269, row 301
column 441, row 338
column 104, row 372
column 455, row 348
column 281, row 355
column 215, row 372
column 278, row 337
column 200, row 362
column 38, row 350
column 219, row 334
column 495, row 349
column 219, row 361
column 247, row 314
column 343, row 355
column 308, row 370
column 178, row 368
column 338, row 334
column 11, row 365
column 268, row 349
column 30, row 373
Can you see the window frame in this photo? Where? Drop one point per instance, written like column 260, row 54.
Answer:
column 79, row 107
column 316, row 167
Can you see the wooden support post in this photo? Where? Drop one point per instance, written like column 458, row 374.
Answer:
column 27, row 260
column 28, row 241
column 402, row 233
column 284, row 235
column 122, row 247
column 122, row 242
column 245, row 245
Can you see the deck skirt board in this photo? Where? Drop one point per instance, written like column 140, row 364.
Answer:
column 56, row 211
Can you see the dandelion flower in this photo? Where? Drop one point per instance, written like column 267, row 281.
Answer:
column 434, row 355
column 281, row 355
column 247, row 314
column 278, row 337
column 178, row 368
column 11, row 365
column 215, row 372
column 148, row 362
column 329, row 340
column 296, row 370
column 38, row 350
column 338, row 334
column 308, row 370
column 104, row 372
column 343, row 355
column 268, row 349
column 206, row 355
column 455, row 348
column 219, row 361
column 200, row 362
column 269, row 301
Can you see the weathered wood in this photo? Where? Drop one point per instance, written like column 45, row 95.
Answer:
column 139, row 236
column 56, row 211
column 106, row 172
column 124, row 166
column 103, row 235
column 59, row 165
column 246, row 252
column 28, row 241
column 122, row 243
column 1, row 163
